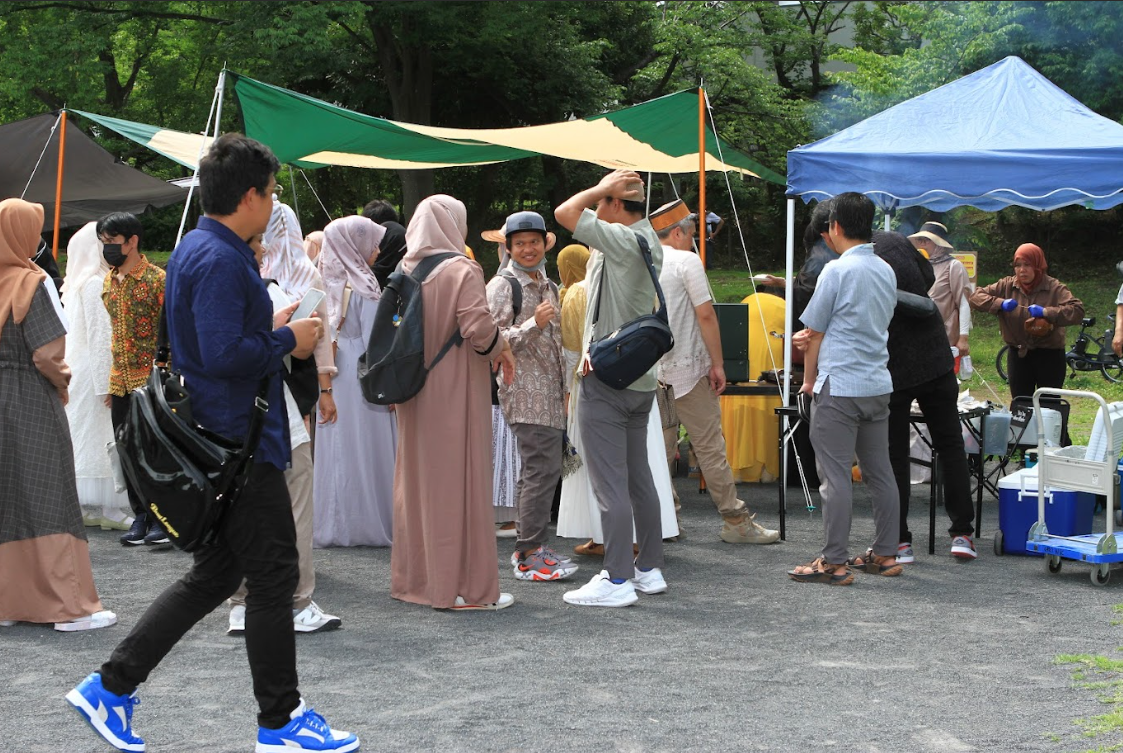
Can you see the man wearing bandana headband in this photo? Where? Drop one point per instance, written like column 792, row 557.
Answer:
column 133, row 295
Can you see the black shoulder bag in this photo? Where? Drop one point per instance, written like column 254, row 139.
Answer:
column 186, row 476
column 622, row 357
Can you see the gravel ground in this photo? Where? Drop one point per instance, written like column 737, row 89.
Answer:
column 735, row 657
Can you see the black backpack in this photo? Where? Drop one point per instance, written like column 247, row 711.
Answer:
column 393, row 369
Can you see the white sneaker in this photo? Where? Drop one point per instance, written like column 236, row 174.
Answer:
column 905, row 555
column 312, row 618
column 90, row 622
column 237, row 620
column 505, row 600
column 650, row 582
column 8, row 623
column 602, row 592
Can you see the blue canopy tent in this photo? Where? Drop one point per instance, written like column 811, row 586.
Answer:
column 1002, row 136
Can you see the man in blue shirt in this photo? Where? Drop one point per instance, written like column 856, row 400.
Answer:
column 226, row 339
column 846, row 369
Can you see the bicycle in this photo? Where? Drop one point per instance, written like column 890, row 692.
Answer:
column 1102, row 360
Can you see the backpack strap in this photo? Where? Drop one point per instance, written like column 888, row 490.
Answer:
column 420, row 272
column 516, row 294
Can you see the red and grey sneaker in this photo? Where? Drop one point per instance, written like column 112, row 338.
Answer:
column 963, row 548
column 543, row 564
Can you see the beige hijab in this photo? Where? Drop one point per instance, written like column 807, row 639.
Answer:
column 439, row 225
column 21, row 222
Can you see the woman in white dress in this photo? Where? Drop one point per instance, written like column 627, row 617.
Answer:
column 354, row 467
column 88, row 351
column 579, row 516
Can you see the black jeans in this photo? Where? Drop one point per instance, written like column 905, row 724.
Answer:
column 257, row 541
column 1041, row 367
column 937, row 399
column 118, row 412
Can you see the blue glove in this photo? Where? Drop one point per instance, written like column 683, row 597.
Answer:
column 1009, row 304
column 1037, row 312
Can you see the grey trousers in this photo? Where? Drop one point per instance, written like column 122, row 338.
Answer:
column 540, row 452
column 614, row 448
column 842, row 427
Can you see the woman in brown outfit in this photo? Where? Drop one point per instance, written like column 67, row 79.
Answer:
column 1035, row 360
column 444, row 552
column 45, row 574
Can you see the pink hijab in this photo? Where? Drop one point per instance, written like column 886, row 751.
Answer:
column 312, row 244
column 21, row 222
column 349, row 243
column 439, row 225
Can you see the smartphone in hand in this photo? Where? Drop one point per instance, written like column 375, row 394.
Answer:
column 308, row 304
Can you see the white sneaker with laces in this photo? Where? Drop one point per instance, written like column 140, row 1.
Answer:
column 905, row 554
column 602, row 592
column 312, row 618
column 94, row 621
column 237, row 620
column 649, row 582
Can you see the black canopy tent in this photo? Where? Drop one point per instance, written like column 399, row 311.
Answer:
column 94, row 183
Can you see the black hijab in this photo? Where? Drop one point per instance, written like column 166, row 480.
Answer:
column 391, row 250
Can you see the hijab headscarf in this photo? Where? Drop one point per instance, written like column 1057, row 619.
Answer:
column 1032, row 254
column 21, row 222
column 312, row 244
column 390, row 251
column 439, row 225
column 284, row 259
column 572, row 261
column 83, row 262
column 348, row 245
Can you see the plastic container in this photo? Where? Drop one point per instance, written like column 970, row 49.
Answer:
column 997, row 432
column 966, row 369
column 1050, row 420
column 1067, row 513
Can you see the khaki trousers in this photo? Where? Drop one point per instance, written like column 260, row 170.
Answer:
column 700, row 412
column 298, row 479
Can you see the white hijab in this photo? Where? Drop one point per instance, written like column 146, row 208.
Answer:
column 349, row 243
column 83, row 261
column 284, row 259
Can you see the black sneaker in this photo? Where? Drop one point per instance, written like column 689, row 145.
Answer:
column 137, row 532
column 156, row 535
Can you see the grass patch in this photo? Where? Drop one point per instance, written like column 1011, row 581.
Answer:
column 1104, row 677
column 1096, row 286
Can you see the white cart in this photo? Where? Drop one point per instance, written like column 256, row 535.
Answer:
column 1067, row 468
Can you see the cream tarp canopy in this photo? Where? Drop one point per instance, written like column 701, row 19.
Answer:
column 659, row 136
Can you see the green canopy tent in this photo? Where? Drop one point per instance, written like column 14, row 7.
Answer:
column 659, row 136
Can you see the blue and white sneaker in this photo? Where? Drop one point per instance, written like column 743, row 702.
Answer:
column 110, row 715
column 307, row 731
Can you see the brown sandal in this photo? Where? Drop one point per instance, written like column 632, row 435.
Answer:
column 819, row 571
column 876, row 564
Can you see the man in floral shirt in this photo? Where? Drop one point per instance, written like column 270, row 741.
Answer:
column 534, row 403
column 133, row 295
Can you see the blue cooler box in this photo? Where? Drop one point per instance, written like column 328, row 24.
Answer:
column 1066, row 513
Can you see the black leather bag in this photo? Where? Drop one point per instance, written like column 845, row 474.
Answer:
column 186, row 476
column 622, row 357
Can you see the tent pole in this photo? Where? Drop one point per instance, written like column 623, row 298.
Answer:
column 58, row 184
column 702, row 175
column 789, row 254
column 216, row 103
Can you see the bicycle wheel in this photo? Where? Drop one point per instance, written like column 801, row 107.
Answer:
column 1000, row 362
column 1113, row 372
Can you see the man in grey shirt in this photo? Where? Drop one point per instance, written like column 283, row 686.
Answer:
column 613, row 422
column 846, row 368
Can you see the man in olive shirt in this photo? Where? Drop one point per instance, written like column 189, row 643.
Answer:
column 614, row 422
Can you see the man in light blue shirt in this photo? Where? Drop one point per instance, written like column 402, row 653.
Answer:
column 846, row 369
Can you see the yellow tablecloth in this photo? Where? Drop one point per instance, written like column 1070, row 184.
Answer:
column 749, row 422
